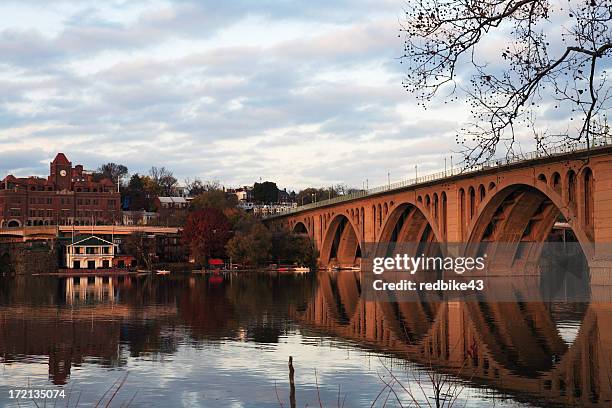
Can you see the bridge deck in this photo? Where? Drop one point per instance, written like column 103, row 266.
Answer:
column 599, row 146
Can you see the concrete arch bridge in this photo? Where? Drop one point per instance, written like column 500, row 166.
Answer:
column 512, row 202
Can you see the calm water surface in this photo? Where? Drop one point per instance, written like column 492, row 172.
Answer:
column 225, row 340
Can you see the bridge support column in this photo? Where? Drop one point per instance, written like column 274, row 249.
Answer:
column 602, row 201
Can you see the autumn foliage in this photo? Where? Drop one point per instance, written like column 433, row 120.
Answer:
column 206, row 233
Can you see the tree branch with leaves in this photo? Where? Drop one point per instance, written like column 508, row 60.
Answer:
column 513, row 60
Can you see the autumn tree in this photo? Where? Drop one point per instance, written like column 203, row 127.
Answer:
column 206, row 233
column 516, row 61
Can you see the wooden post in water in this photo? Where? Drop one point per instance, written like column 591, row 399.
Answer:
column 291, row 383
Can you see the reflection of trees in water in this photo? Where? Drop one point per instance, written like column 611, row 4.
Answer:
column 252, row 306
column 514, row 346
column 142, row 316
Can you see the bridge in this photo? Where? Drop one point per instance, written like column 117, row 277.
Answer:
column 513, row 201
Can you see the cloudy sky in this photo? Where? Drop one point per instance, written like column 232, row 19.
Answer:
column 302, row 93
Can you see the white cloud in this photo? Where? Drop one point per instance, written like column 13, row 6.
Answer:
column 299, row 93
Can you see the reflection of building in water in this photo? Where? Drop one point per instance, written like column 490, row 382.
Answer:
column 87, row 289
column 78, row 334
column 90, row 252
column 514, row 346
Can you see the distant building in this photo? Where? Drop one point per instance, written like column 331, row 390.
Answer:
column 171, row 210
column 246, row 206
column 179, row 191
column 269, row 209
column 140, row 217
column 284, row 196
column 243, row 194
column 165, row 203
column 90, row 253
column 68, row 196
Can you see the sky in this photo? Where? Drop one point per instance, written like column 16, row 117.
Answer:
column 300, row 93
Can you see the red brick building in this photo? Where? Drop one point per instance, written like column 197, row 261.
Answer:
column 68, row 196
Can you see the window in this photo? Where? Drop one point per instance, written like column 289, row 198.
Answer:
column 80, row 201
column 49, row 200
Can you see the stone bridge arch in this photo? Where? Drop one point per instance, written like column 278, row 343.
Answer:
column 299, row 228
column 408, row 223
column 525, row 211
column 341, row 244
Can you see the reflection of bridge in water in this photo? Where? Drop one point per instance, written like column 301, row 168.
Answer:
column 512, row 346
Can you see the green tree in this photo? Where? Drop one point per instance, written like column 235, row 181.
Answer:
column 135, row 194
column 265, row 193
column 296, row 249
column 251, row 248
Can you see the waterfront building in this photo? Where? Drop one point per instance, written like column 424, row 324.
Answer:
column 90, row 253
column 70, row 195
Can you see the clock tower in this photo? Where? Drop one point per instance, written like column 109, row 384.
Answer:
column 61, row 172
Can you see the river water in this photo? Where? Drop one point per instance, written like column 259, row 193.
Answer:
column 225, row 340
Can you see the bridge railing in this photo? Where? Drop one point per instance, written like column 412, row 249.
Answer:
column 493, row 163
